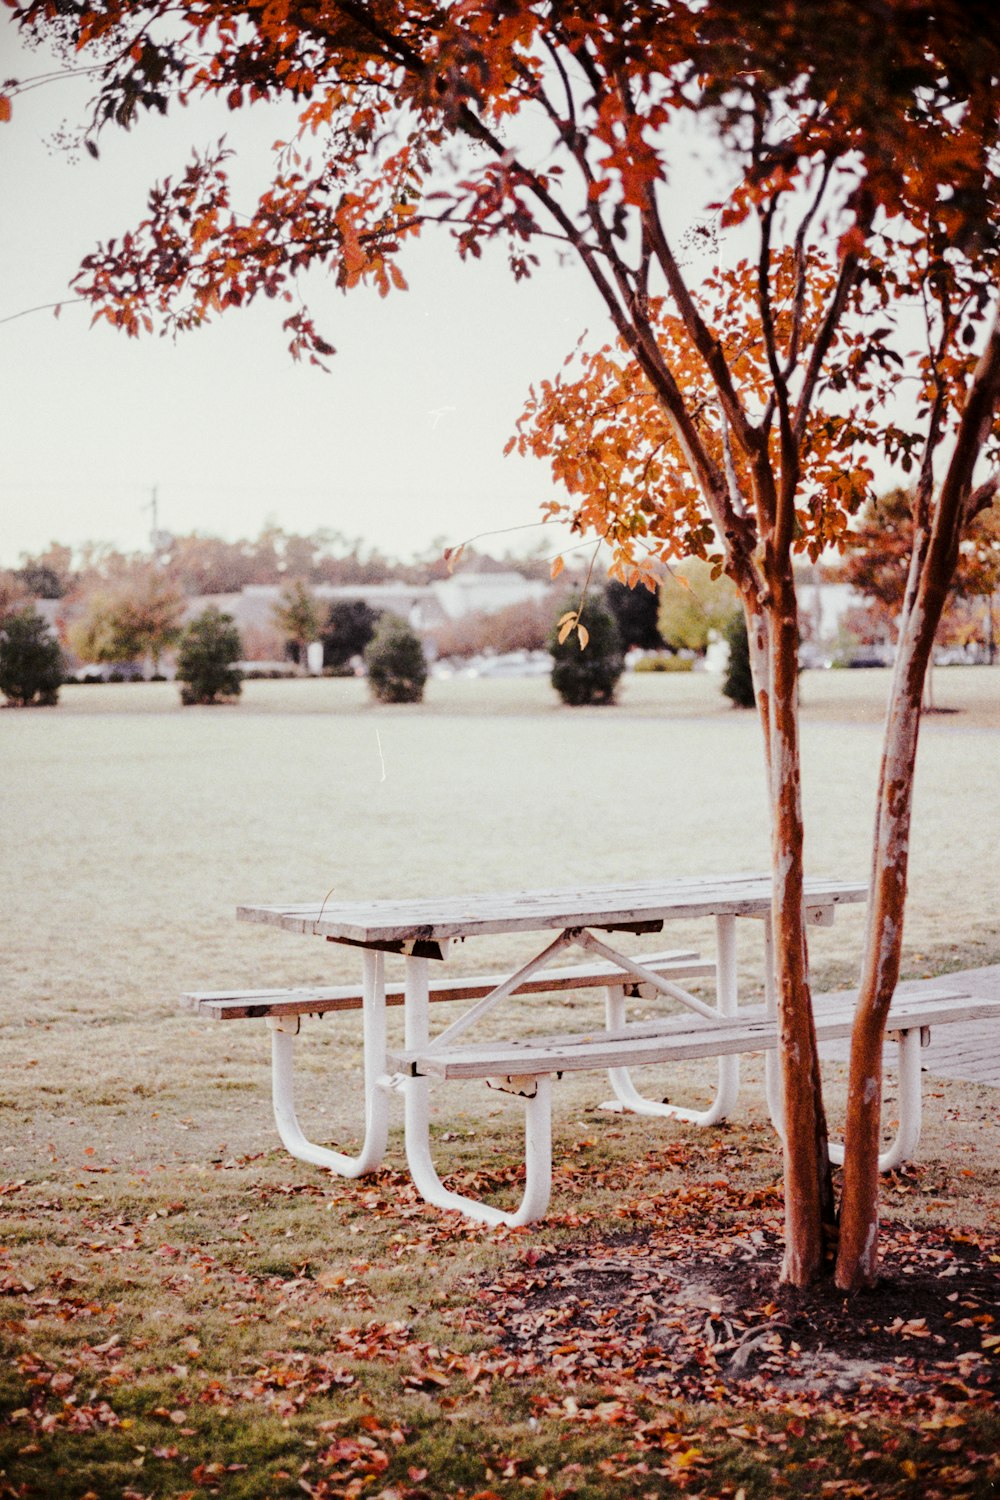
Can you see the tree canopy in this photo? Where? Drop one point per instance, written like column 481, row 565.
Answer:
column 879, row 547
column 139, row 615
column 694, row 605
column 749, row 373
column 298, row 615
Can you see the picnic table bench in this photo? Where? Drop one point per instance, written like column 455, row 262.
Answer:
column 423, row 931
column 525, row 1066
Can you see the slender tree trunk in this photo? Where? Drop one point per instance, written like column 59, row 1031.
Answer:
column 857, row 1255
column 808, row 1186
column 932, row 567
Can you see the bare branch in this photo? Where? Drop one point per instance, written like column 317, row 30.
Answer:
column 821, row 347
column 704, row 340
column 939, row 407
column 553, row 52
column 801, row 258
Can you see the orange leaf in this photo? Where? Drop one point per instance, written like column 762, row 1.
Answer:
column 557, row 567
column 853, row 242
column 566, row 624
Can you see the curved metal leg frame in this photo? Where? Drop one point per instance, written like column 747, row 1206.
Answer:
column 628, row 1097
column 908, row 1131
column 376, row 1099
column 537, row 1127
column 773, row 1088
column 910, row 1103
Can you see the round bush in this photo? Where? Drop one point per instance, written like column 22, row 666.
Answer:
column 397, row 669
column 206, row 660
column 589, row 675
column 31, row 663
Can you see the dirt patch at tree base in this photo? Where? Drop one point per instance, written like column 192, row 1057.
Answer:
column 699, row 1321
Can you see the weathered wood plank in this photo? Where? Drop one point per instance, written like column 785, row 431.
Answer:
column 639, row 1043
column 235, row 1005
column 616, row 907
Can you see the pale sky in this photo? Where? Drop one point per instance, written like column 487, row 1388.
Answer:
column 400, row 444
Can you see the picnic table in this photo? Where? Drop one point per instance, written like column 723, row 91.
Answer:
column 425, row 931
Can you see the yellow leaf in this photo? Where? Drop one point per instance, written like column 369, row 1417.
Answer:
column 566, row 625
column 686, row 1458
column 584, row 635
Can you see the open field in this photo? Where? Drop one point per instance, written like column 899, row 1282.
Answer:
column 172, row 1286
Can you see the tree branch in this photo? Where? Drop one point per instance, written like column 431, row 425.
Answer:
column 801, row 259
column 704, row 340
column 821, row 347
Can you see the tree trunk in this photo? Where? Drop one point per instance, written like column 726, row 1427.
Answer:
column 932, row 567
column 857, row 1254
column 808, row 1186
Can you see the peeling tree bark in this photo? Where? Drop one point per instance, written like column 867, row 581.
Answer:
column 857, row 1258
column 807, row 1180
column 935, row 553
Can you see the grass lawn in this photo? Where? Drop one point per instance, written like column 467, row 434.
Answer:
column 187, row 1311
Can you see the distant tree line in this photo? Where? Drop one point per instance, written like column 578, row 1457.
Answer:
column 200, row 564
column 121, row 611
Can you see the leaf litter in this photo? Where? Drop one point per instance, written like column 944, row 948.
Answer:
column 656, row 1320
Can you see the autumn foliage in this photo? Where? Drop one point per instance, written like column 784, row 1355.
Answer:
column 878, row 555
column 832, row 309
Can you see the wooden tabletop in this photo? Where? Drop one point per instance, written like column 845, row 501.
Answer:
column 644, row 907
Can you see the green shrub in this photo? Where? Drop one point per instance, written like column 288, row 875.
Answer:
column 31, row 663
column 738, row 682
column 636, row 610
column 349, row 630
column 590, row 674
column 397, row 669
column 206, row 660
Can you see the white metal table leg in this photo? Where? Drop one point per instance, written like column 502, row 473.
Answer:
column 773, row 1087
column 628, row 1097
column 537, row 1126
column 910, row 1106
column 376, row 1100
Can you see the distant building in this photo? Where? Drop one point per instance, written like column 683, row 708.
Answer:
column 424, row 606
column 485, row 593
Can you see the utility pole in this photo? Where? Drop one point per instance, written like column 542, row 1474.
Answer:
column 158, row 540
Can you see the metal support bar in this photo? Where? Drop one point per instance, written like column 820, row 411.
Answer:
column 584, row 939
column 496, row 995
column 628, row 1097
